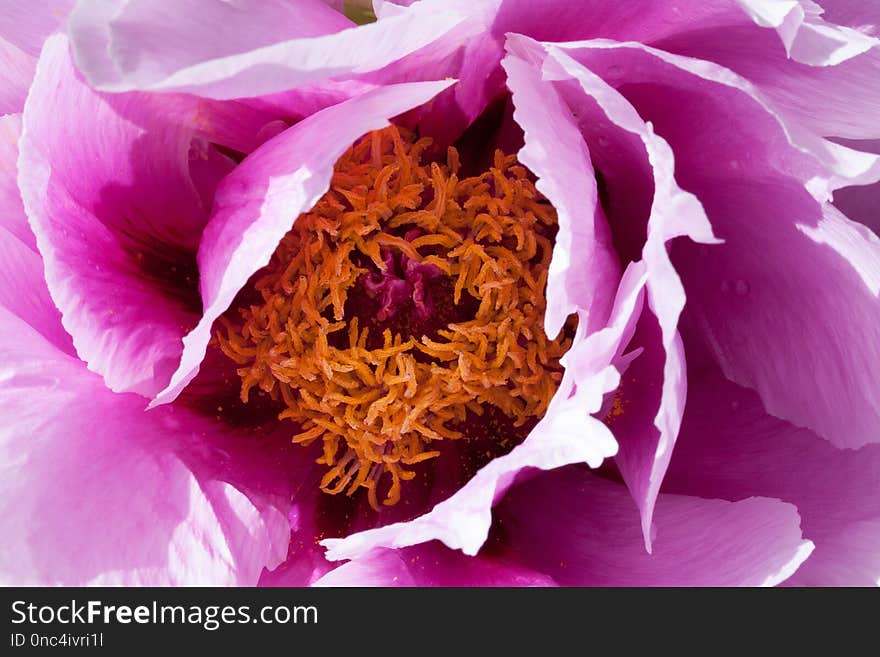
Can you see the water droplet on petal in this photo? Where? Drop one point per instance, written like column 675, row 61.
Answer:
column 741, row 288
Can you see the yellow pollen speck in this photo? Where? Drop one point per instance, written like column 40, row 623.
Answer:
column 380, row 396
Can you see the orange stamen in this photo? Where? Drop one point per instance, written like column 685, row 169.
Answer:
column 378, row 395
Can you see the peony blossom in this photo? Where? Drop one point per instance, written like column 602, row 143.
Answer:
column 484, row 292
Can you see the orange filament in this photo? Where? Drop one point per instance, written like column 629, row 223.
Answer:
column 383, row 386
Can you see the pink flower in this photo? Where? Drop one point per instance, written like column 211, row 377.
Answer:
column 713, row 420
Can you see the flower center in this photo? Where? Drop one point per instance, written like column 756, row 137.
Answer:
column 406, row 305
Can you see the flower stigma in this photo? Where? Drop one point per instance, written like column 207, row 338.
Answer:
column 405, row 307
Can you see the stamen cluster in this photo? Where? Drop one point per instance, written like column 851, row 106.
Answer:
column 400, row 307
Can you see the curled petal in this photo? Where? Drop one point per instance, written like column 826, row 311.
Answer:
column 806, row 36
column 266, row 47
column 607, row 118
column 305, row 563
column 23, row 290
column 116, row 219
column 861, row 202
column 584, row 269
column 768, row 143
column 850, row 90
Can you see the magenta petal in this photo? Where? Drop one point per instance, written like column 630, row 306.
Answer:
column 93, row 491
column 472, row 50
column 117, row 220
column 731, row 448
column 256, row 204
column 431, row 564
column 250, row 49
column 580, row 530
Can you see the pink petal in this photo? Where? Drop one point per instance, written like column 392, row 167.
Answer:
column 639, row 20
column 473, row 49
column 250, row 49
column 28, row 23
column 431, row 564
column 305, row 563
column 580, row 530
column 237, row 125
column 18, row 71
column 788, row 305
column 771, row 143
column 470, row 51
column 94, row 492
column 850, row 90
column 861, row 16
column 23, row 288
column 110, row 216
column 807, row 37
column 861, row 203
column 256, row 204
column 849, row 557
column 731, row 448
column 606, row 119
column 748, row 298
column 12, row 217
